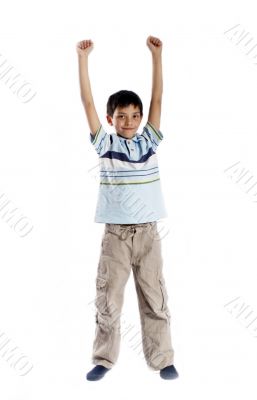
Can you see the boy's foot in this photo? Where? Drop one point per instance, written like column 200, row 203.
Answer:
column 97, row 373
column 169, row 372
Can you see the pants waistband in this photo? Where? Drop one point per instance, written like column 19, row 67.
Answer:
column 125, row 230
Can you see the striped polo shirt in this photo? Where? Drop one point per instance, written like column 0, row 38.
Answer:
column 130, row 188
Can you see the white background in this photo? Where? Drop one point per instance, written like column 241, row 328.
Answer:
column 209, row 123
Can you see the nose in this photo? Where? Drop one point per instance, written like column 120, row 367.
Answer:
column 128, row 122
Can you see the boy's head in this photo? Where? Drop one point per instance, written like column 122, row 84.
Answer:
column 125, row 112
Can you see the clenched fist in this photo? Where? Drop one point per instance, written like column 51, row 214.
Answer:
column 84, row 47
column 154, row 44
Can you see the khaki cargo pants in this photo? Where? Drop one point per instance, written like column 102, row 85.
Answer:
column 136, row 246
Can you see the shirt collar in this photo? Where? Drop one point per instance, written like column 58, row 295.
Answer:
column 135, row 138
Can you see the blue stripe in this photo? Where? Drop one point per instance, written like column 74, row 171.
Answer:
column 98, row 149
column 123, row 157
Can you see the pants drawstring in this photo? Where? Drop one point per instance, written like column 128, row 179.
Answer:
column 127, row 232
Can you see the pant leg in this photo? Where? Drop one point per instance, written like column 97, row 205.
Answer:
column 152, row 298
column 112, row 275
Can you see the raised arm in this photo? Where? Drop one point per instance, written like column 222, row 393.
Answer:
column 155, row 46
column 83, row 49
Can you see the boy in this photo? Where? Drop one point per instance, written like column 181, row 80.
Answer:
column 129, row 175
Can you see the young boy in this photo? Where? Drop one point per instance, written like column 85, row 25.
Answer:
column 130, row 203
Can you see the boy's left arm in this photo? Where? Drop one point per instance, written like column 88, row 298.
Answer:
column 154, row 116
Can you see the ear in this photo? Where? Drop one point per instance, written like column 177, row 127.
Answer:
column 109, row 119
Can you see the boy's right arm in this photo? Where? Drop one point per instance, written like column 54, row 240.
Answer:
column 83, row 49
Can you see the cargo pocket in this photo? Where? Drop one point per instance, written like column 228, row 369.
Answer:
column 164, row 294
column 101, row 295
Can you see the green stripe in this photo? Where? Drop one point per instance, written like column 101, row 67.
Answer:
column 96, row 135
column 155, row 131
column 129, row 183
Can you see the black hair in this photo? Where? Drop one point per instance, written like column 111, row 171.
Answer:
column 123, row 98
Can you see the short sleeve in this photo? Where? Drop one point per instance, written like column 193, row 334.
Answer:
column 152, row 134
column 101, row 141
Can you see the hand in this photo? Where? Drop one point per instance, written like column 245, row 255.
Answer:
column 84, row 47
column 154, row 44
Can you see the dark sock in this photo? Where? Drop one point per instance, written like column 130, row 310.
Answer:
column 97, row 373
column 169, row 372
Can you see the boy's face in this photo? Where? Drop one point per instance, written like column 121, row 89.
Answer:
column 126, row 120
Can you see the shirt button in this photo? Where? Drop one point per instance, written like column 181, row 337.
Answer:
column 128, row 141
column 132, row 149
